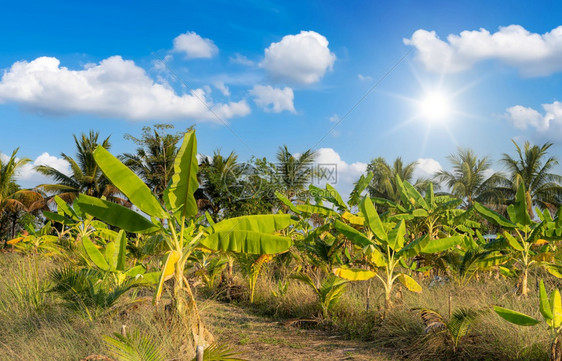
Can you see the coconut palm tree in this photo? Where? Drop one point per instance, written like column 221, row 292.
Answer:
column 470, row 178
column 294, row 172
column 12, row 198
column 86, row 176
column 219, row 179
column 533, row 166
column 383, row 184
column 153, row 160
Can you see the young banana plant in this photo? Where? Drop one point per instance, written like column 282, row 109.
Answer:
column 551, row 310
column 178, row 227
column 329, row 291
column 384, row 248
column 526, row 239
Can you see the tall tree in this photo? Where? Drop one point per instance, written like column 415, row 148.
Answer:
column 86, row 176
column 13, row 200
column 295, row 172
column 153, row 160
column 383, row 184
column 533, row 167
column 219, row 178
column 470, row 178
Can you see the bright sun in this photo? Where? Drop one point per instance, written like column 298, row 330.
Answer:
column 435, row 107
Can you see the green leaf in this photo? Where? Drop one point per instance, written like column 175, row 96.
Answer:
column 518, row 210
column 492, row 216
column 409, row 283
column 128, row 183
column 244, row 241
column 545, row 307
column 94, row 254
column 372, row 218
column 513, row 242
column 183, row 185
column 352, row 234
column 111, row 255
column 115, row 214
column 556, row 303
column 58, row 218
column 396, row 236
column 313, row 209
column 62, row 206
column 441, row 244
column 515, row 317
column 359, row 187
column 121, row 251
column 335, row 197
column 354, row 274
column 287, row 202
column 264, row 223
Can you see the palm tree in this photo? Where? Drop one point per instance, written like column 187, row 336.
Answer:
column 86, row 176
column 12, row 198
column 533, row 167
column 154, row 159
column 383, row 184
column 219, row 178
column 469, row 178
column 295, row 172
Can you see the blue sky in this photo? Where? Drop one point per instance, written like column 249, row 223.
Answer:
column 281, row 72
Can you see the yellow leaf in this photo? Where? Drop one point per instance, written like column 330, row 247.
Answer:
column 353, row 219
column 167, row 273
column 14, row 241
column 541, row 242
column 409, row 283
column 354, row 274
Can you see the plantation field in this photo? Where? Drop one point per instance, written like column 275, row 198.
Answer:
column 34, row 324
column 414, row 275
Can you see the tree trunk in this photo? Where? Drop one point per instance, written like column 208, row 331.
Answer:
column 556, row 348
column 524, row 288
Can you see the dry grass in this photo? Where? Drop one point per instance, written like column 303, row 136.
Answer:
column 35, row 326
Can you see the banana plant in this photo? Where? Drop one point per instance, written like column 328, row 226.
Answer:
column 384, row 248
column 551, row 310
column 525, row 239
column 329, row 291
column 36, row 241
column 113, row 260
column 176, row 222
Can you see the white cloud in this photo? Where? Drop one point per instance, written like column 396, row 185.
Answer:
column 241, row 59
column 28, row 177
column 194, row 46
column 222, row 88
column 303, row 58
column 426, row 168
column 334, row 118
column 346, row 173
column 547, row 124
column 364, row 77
column 113, row 88
column 533, row 54
column 272, row 99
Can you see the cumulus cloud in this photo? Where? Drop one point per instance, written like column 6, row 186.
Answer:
column 222, row 88
column 426, row 168
column 28, row 177
column 547, row 123
column 241, row 59
column 194, row 46
column 273, row 99
column 113, row 88
column 533, row 54
column 345, row 173
column 302, row 59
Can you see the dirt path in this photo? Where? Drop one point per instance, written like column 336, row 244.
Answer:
column 259, row 338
